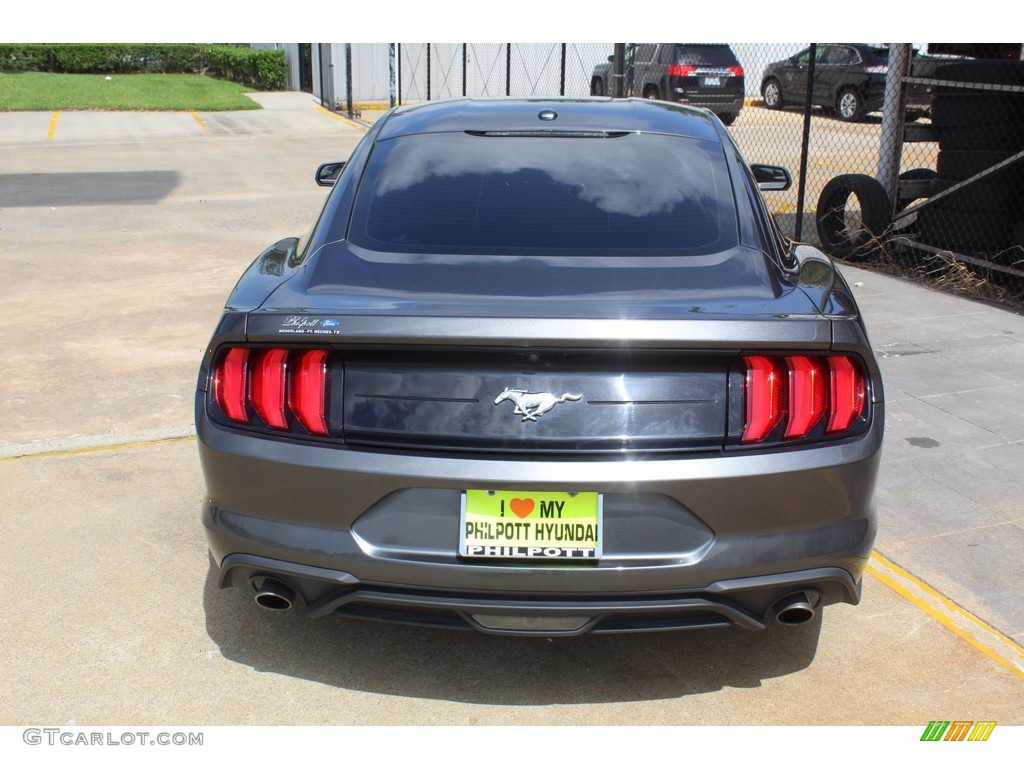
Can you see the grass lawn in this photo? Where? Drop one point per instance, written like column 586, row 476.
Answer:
column 47, row 92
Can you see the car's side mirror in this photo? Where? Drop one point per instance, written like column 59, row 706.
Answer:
column 328, row 173
column 611, row 57
column 771, row 178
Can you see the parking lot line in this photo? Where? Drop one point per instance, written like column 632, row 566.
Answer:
column 986, row 639
column 199, row 120
column 842, row 168
column 53, row 126
column 113, row 441
column 339, row 117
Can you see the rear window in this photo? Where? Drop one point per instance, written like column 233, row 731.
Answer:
column 705, row 55
column 627, row 194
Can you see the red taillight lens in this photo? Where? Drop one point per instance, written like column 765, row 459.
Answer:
column 268, row 386
column 847, row 394
column 764, row 385
column 736, row 71
column 806, row 394
column 273, row 382
column 681, row 70
column 307, row 387
column 230, row 384
column 799, row 390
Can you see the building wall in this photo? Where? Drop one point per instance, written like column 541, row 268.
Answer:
column 535, row 68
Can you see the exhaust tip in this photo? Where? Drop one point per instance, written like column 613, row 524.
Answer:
column 274, row 596
column 797, row 608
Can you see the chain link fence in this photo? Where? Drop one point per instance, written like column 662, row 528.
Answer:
column 926, row 162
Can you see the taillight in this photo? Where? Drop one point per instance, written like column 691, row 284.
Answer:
column 799, row 391
column 230, row 384
column 681, row 70
column 764, row 387
column 847, row 394
column 268, row 386
column 307, row 387
column 736, row 71
column 806, row 394
column 275, row 383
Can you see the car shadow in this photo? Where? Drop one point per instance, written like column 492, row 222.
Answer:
column 470, row 667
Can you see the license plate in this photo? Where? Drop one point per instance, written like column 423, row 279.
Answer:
column 546, row 525
column 711, row 82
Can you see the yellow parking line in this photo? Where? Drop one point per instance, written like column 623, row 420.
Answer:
column 97, row 449
column 342, row 119
column 842, row 168
column 53, row 126
column 198, row 119
column 989, row 641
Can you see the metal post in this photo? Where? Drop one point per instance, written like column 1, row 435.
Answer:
column 618, row 71
column 391, row 75
column 428, row 71
column 323, row 82
column 399, row 73
column 348, row 80
column 805, row 145
column 508, row 69
column 561, row 84
column 463, row 69
column 893, row 117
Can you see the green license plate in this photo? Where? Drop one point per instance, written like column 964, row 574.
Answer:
column 529, row 524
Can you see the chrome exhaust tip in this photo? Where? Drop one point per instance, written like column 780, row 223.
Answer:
column 273, row 595
column 797, row 608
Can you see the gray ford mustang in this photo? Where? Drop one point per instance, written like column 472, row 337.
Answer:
column 543, row 366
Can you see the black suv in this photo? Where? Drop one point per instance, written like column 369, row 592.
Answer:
column 849, row 78
column 699, row 74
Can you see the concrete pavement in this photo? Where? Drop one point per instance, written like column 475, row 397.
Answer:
column 120, row 237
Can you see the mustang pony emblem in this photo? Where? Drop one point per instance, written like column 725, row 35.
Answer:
column 531, row 405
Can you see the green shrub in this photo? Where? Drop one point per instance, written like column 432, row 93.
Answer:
column 22, row 57
column 258, row 68
column 263, row 69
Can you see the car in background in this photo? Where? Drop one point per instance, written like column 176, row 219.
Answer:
column 849, row 80
column 697, row 74
column 543, row 366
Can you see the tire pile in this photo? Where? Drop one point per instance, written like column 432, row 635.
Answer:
column 977, row 129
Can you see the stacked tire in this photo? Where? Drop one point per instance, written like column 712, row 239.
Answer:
column 977, row 129
column 856, row 199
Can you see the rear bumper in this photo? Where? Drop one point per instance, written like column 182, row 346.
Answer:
column 691, row 541
column 719, row 104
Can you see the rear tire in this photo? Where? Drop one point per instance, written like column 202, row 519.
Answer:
column 728, row 118
column 597, row 87
column 850, row 106
column 840, row 232
column 651, row 92
column 772, row 94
